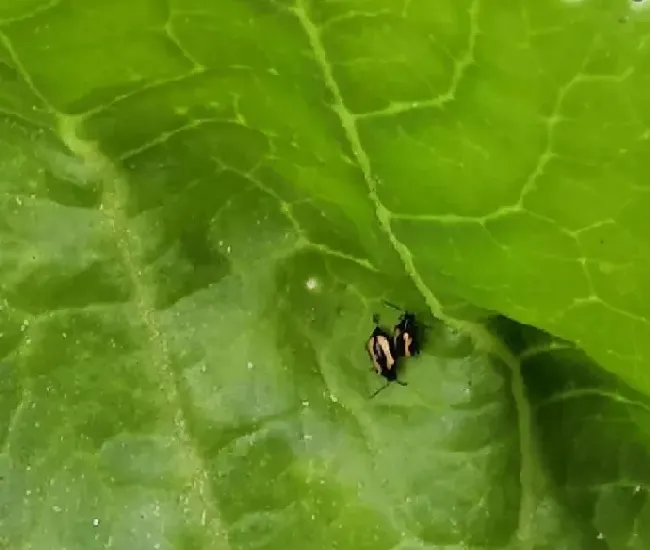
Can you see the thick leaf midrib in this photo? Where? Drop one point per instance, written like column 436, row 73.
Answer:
column 115, row 193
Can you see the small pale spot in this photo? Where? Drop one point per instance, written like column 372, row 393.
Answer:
column 96, row 522
column 606, row 267
column 312, row 283
column 600, row 536
column 249, row 365
column 305, row 403
column 334, row 398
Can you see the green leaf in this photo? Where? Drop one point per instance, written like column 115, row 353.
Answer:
column 201, row 207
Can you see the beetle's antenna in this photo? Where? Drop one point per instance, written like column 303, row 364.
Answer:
column 404, row 311
column 393, row 306
column 401, row 383
column 378, row 390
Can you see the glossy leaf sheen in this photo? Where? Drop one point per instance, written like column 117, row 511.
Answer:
column 201, row 206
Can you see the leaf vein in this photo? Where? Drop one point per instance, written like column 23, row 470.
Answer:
column 115, row 189
column 460, row 68
column 148, row 87
column 529, row 469
column 167, row 135
column 592, row 392
column 31, row 14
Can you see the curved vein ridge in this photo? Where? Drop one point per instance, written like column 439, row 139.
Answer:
column 129, row 247
column 529, row 469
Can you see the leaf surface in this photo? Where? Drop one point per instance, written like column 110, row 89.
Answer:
column 201, row 207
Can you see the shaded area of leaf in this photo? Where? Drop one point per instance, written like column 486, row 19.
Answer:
column 594, row 436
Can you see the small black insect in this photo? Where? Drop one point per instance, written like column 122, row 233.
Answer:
column 406, row 334
column 382, row 353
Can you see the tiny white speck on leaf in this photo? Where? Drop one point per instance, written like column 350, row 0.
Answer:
column 637, row 488
column 600, row 536
column 249, row 365
column 228, row 249
column 96, row 522
column 312, row 283
column 334, row 398
column 305, row 403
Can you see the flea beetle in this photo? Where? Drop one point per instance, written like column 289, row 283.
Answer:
column 381, row 352
column 406, row 334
